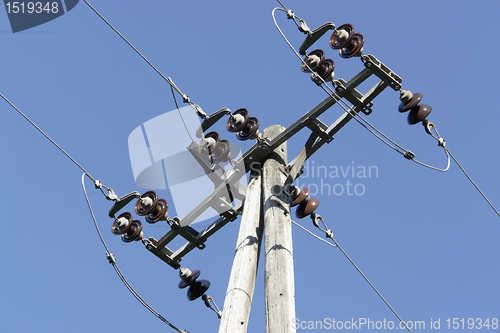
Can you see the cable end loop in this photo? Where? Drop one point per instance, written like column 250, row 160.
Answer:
column 303, row 27
column 208, row 299
column 199, row 111
column 428, row 125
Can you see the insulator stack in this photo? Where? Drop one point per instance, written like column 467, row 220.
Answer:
column 218, row 150
column 129, row 230
column 190, row 279
column 153, row 208
column 348, row 43
column 318, row 64
column 306, row 205
column 410, row 102
column 245, row 127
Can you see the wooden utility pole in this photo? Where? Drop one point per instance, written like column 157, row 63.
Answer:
column 244, row 271
column 279, row 277
column 266, row 209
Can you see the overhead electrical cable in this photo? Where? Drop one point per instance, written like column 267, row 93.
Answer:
column 350, row 110
column 112, row 260
column 44, row 134
column 329, row 234
column 179, row 111
column 371, row 284
column 168, row 80
column 473, row 183
column 313, row 234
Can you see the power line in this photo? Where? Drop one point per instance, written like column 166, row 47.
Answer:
column 112, row 261
column 126, row 40
column 179, row 111
column 473, row 183
column 168, row 80
column 329, row 234
column 313, row 234
column 429, row 126
column 371, row 284
column 44, row 134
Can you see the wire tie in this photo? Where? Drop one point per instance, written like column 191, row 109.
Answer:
column 441, row 142
column 111, row 258
column 329, row 234
column 409, row 155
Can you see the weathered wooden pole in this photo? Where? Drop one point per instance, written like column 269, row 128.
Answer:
column 279, row 277
column 244, row 271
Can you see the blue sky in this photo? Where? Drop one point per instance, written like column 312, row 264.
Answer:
column 427, row 240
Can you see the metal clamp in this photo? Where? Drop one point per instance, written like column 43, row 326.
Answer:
column 373, row 66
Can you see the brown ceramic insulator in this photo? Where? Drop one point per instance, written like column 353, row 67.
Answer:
column 303, row 194
column 231, row 126
column 250, row 129
column 417, row 97
column 320, row 54
column 158, row 212
column 306, row 208
column 132, row 232
column 202, row 149
column 221, row 152
column 354, row 46
column 196, row 287
column 194, row 275
column 118, row 231
column 419, row 113
column 337, row 44
column 140, row 209
column 326, row 68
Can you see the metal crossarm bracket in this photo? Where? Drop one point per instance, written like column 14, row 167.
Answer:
column 254, row 157
column 313, row 36
column 257, row 153
column 194, row 238
column 209, row 121
column 122, row 202
column 373, row 66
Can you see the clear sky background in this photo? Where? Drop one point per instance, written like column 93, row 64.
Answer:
column 427, row 240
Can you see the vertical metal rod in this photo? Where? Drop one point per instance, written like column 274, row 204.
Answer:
column 244, row 271
column 279, row 277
